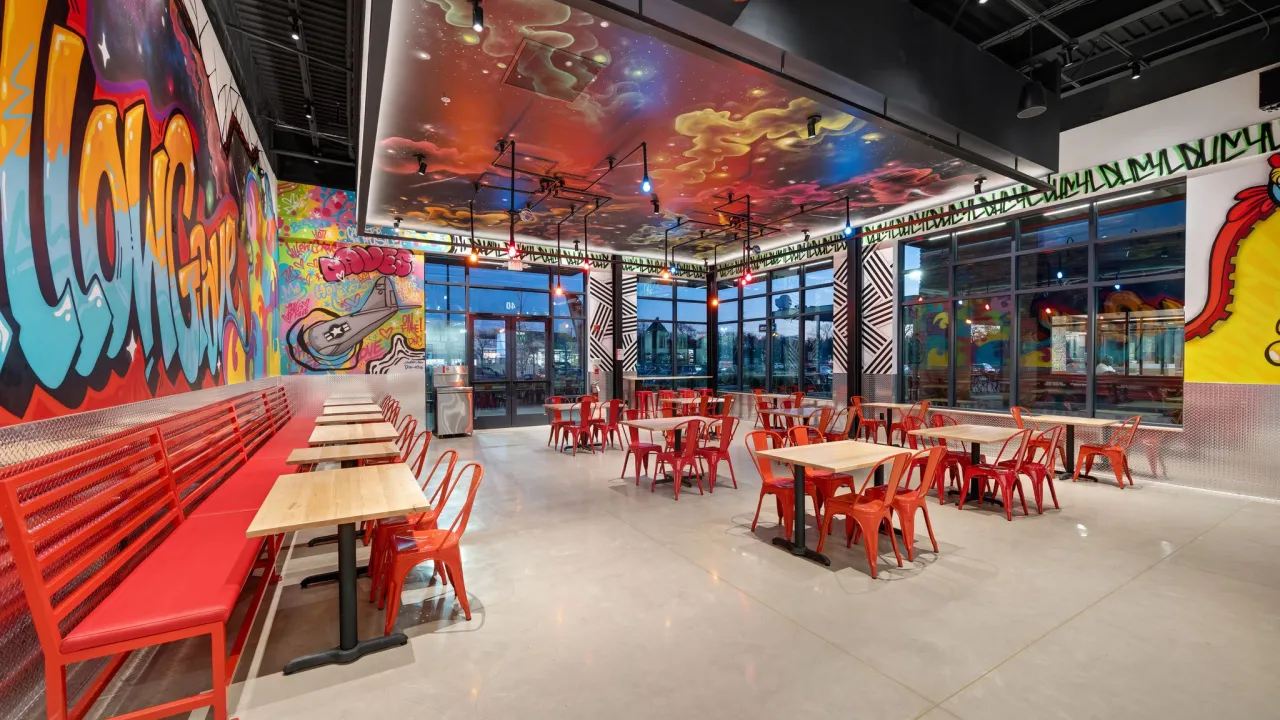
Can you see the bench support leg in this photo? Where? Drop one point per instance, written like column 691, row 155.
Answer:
column 350, row 647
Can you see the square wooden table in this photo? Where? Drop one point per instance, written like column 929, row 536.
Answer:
column 834, row 457
column 302, row 501
column 356, row 400
column 888, row 408
column 669, row 425
column 343, row 453
column 351, row 409
column 350, row 419
column 358, row 433
column 975, row 435
column 1071, row 421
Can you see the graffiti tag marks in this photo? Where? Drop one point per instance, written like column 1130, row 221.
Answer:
column 356, row 259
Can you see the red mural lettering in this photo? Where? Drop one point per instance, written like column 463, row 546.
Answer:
column 356, row 259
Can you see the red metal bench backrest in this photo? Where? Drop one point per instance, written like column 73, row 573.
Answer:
column 255, row 423
column 278, row 409
column 204, row 449
column 78, row 523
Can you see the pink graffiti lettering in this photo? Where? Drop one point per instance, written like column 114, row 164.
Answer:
column 356, row 259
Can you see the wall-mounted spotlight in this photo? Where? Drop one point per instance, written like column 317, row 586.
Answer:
column 396, row 224
column 813, row 124
column 977, row 184
column 422, row 164
column 295, row 27
column 477, row 16
column 1135, row 69
column 806, row 236
column 657, row 208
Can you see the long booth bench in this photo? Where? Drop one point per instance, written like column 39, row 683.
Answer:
column 138, row 539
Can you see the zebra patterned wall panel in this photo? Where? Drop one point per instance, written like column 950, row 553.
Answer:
column 600, row 327
column 840, row 313
column 877, row 308
column 630, row 350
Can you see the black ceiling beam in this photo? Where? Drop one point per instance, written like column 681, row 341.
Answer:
column 378, row 22
column 1056, row 50
column 1033, row 19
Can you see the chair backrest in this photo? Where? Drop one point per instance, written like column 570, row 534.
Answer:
column 613, row 411
column 758, row 440
column 804, row 435
column 859, row 411
column 666, row 394
column 758, row 391
column 898, row 466
column 728, row 426
column 1046, row 444
column 459, row 525
column 1021, row 416
column 923, row 409
column 633, row 433
column 690, row 430
column 841, row 422
column 392, row 413
column 797, row 398
column 915, row 422
column 438, row 498
column 555, row 400
column 408, row 426
column 704, row 406
column 932, row 466
column 942, row 420
column 726, row 407
column 824, row 420
column 585, row 406
column 1123, row 437
column 668, row 411
column 76, row 524
column 686, row 394
column 416, row 461
column 1018, row 454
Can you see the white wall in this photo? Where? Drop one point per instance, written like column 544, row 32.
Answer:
column 1226, row 105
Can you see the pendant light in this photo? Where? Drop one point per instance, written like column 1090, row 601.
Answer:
column 471, row 215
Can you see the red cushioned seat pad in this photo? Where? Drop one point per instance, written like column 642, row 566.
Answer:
column 192, row 578
column 245, row 490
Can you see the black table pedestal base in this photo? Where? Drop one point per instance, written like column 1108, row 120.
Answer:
column 802, row 551
column 331, row 576
column 338, row 656
column 325, row 539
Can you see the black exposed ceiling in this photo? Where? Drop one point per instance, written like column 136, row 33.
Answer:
column 1181, row 44
column 281, row 78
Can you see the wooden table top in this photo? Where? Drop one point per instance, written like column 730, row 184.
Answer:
column 357, row 433
column 836, row 457
column 339, row 453
column 351, row 409
column 1072, row 420
column 968, row 433
column 360, row 400
column 664, row 424
column 692, row 401
column 889, row 405
column 350, row 419
column 803, row 412
column 774, row 396
column 301, row 501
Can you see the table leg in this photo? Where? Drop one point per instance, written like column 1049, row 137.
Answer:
column 879, row 475
column 797, row 544
column 975, row 490
column 326, row 539
column 350, row 647
column 1071, row 453
column 888, row 425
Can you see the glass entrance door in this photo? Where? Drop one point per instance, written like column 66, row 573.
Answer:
column 510, row 370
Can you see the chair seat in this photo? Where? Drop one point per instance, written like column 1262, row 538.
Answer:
column 192, row 578
column 423, row 540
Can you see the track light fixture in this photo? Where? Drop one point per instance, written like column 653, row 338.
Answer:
column 308, row 110
column 295, row 26
column 586, row 246
column 977, row 184
column 477, row 16
column 645, row 185
column 657, row 208
column 1135, row 69
column 422, row 164
column 806, row 236
column 813, row 124
column 1069, row 54
column 396, row 224
column 471, row 216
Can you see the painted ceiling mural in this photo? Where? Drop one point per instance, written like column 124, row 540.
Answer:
column 572, row 91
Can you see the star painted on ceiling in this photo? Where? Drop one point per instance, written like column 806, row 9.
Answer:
column 103, row 47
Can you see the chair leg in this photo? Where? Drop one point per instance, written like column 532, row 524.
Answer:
column 893, row 540
column 732, row 477
column 928, row 524
column 1022, row 497
column 755, row 520
column 454, row 566
column 1117, row 464
column 55, row 694
column 871, row 541
column 1079, row 464
column 907, row 522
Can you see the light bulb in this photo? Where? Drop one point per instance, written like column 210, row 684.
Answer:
column 645, row 185
column 559, row 290
column 665, row 274
column 848, row 229
column 475, row 256
column 715, row 302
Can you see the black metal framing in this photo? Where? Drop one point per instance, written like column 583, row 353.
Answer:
column 1090, row 286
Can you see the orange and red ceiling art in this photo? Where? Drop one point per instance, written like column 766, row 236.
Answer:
column 573, row 91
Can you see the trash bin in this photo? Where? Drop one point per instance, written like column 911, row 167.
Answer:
column 453, row 411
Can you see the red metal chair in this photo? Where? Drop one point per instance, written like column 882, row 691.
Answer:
column 558, row 425
column 826, row 483
column 1022, row 418
column 408, row 426
column 726, row 407
column 412, row 548
column 1005, row 472
column 781, row 488
column 919, row 409
column 715, row 454
column 644, row 403
column 866, row 515
column 1039, row 464
column 869, row 427
column 392, row 412
column 682, row 458
column 608, row 426
column 640, row 451
column 955, row 461
column 909, row 499
column 586, row 427
column 757, row 393
column 839, row 425
column 380, row 552
column 764, row 413
column 688, row 394
column 1114, row 450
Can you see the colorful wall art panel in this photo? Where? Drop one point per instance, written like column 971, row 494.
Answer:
column 1235, row 338
column 351, row 308
column 138, row 221
column 308, row 212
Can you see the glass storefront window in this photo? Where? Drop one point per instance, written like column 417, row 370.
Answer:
column 653, row 289
column 1144, row 212
column 654, row 356
column 788, row 279
column 1069, row 266
column 785, row 340
column 691, row 292
column 818, row 359
column 727, row 363
column 984, row 241
column 983, row 330
column 753, row 354
column 818, row 299
column 728, row 311
column 443, row 273
column 785, row 304
column 1053, row 329
column 501, row 278
column 653, row 309
column 924, row 352
column 444, row 297
column 977, row 278
column 569, row 304
column 566, row 358
column 691, row 349
column 509, row 302
column 691, row 312
column 671, row 328
column 1055, row 228
column 818, row 274
column 754, row 307
column 1138, row 346
column 925, row 268
column 1161, row 255
column 446, row 338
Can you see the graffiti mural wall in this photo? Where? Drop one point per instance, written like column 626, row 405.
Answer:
column 138, row 221
column 308, row 212
column 1235, row 336
column 351, row 308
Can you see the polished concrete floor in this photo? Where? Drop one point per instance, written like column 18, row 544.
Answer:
column 593, row 598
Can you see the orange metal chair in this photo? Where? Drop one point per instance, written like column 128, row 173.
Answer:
column 918, row 409
column 687, row 394
column 764, row 413
column 868, row 427
column 955, row 461
column 608, row 426
column 1115, row 450
column 909, row 499
column 410, row 549
column 1022, row 418
column 586, row 427
column 714, row 454
column 1039, row 464
column 641, row 451
column 1005, row 472
column 757, row 393
column 380, row 552
column 558, row 425
column 726, row 407
column 866, row 515
column 839, row 425
column 781, row 488
column 680, row 459
column 824, row 421
column 826, row 483
column 644, row 403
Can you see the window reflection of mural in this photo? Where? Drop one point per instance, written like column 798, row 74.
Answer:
column 136, row 220
column 1236, row 337
column 365, row 318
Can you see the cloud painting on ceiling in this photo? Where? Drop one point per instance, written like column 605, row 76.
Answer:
column 572, row 91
